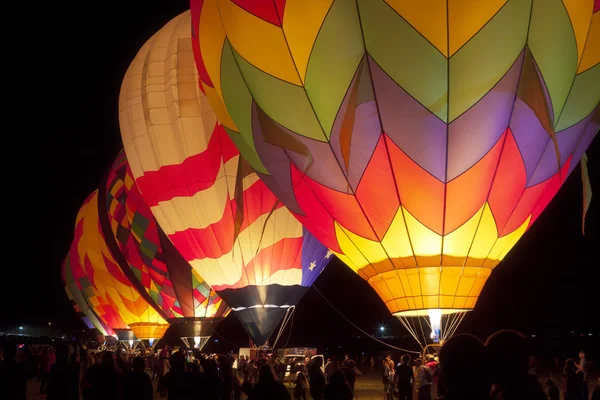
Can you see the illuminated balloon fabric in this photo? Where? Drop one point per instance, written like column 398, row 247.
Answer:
column 218, row 214
column 107, row 277
column 82, row 269
column 150, row 261
column 414, row 141
column 79, row 301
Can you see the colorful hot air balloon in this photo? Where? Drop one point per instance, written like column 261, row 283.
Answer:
column 152, row 264
column 105, row 275
column 417, row 140
column 81, row 303
column 218, row 214
column 83, row 275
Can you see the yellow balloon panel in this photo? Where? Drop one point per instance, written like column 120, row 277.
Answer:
column 407, row 273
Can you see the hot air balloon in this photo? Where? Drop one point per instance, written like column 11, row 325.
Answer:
column 83, row 274
column 151, row 262
column 218, row 214
column 81, row 303
column 417, row 140
column 136, row 319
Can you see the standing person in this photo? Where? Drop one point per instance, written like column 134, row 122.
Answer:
column 163, row 368
column 583, row 368
column 268, row 387
column 316, row 379
column 572, row 381
column 553, row 392
column 330, row 368
column 509, row 364
column 387, row 377
column 301, row 384
column 403, row 378
column 280, row 369
column 63, row 383
column 596, row 394
column 138, row 385
column 423, row 381
column 351, row 372
column 338, row 388
column 13, row 375
column 47, row 359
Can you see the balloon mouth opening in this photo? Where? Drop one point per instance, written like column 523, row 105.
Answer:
column 425, row 312
column 434, row 316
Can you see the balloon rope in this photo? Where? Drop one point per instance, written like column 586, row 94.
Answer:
column 363, row 332
column 286, row 318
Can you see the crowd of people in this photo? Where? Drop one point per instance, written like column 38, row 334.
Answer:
column 465, row 369
column 468, row 369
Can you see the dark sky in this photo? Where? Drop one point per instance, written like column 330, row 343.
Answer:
column 61, row 133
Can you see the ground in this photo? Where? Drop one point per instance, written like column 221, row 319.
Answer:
column 368, row 387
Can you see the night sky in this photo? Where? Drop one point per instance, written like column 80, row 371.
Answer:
column 65, row 71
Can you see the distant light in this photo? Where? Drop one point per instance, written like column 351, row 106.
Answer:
column 382, row 328
column 590, row 334
column 533, row 335
column 20, row 328
column 49, row 323
column 216, row 340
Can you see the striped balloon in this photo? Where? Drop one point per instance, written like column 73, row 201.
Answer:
column 218, row 214
column 150, row 261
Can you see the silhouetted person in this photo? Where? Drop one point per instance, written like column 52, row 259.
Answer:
column 584, row 368
column 225, row 366
column 138, row 385
column 47, row 359
column 338, row 388
column 13, row 375
column 178, row 381
column 268, row 387
column 246, row 390
column 350, row 372
column 596, row 394
column 465, row 367
column 423, row 380
column 212, row 385
column 105, row 381
column 316, row 379
column 509, row 367
column 301, row 384
column 553, row 392
column 403, row 378
column 63, row 383
column 572, row 381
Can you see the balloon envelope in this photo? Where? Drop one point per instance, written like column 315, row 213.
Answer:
column 76, row 292
column 417, row 140
column 218, row 214
column 108, row 279
column 149, row 260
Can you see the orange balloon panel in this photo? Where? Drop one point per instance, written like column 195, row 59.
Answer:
column 107, row 277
